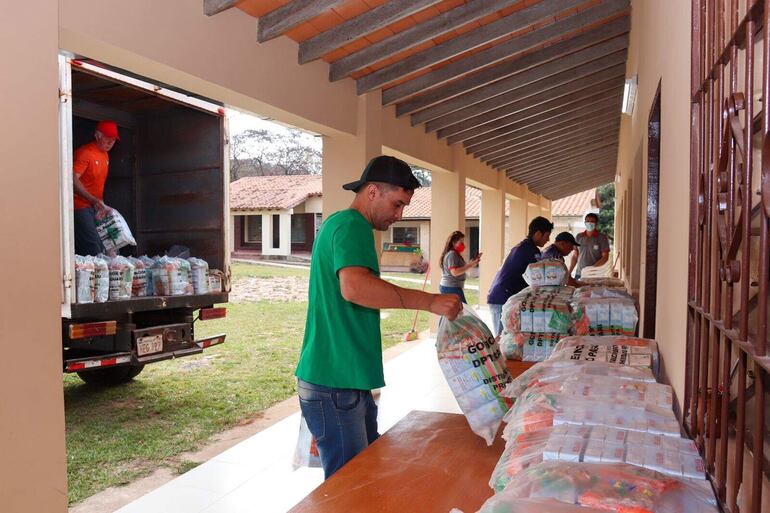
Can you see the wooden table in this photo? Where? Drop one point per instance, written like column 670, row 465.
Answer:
column 516, row 367
column 428, row 462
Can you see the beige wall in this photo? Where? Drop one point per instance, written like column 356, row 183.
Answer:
column 660, row 51
column 32, row 456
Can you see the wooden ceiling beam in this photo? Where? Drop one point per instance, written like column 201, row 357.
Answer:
column 503, row 77
column 521, row 110
column 285, row 18
column 501, row 135
column 516, row 45
column 589, row 182
column 550, row 129
column 359, row 26
column 545, row 138
column 413, row 36
column 567, row 151
column 465, row 42
column 554, row 146
column 587, row 154
column 546, row 110
column 531, row 95
column 212, row 7
column 533, row 175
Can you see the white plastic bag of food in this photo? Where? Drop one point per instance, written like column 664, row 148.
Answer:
column 148, row 264
column 306, row 452
column 605, row 316
column 171, row 277
column 612, row 487
column 113, row 230
column 616, row 349
column 200, row 275
column 474, row 367
column 121, row 278
column 501, row 503
column 139, row 285
column 101, row 279
column 85, row 280
column 546, row 273
column 216, row 279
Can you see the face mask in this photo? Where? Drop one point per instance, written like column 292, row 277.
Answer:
column 460, row 247
column 590, row 227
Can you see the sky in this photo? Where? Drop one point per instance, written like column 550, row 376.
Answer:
column 241, row 121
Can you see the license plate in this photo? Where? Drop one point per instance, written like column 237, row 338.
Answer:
column 149, row 344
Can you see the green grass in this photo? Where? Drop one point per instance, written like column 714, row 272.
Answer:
column 119, row 434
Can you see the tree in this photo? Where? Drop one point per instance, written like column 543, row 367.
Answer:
column 606, row 195
column 261, row 152
column 422, row 175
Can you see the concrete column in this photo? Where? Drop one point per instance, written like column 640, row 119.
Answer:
column 517, row 224
column 447, row 215
column 33, row 472
column 492, row 232
column 285, row 239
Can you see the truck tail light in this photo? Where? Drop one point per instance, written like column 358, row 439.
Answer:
column 92, row 329
column 206, row 314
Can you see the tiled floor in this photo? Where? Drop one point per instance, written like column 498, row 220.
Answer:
column 257, row 476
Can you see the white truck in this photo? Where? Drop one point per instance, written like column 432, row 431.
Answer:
column 168, row 176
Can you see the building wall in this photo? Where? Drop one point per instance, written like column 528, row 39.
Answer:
column 659, row 52
column 32, row 453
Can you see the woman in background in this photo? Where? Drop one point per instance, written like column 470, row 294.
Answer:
column 453, row 266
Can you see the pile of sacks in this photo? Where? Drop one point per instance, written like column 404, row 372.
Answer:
column 101, row 278
column 596, row 435
column 538, row 317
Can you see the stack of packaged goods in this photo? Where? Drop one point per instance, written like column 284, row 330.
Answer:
column 475, row 370
column 535, row 319
column 592, row 427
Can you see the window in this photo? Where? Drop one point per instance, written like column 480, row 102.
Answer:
column 406, row 235
column 276, row 231
column 252, row 229
column 298, row 229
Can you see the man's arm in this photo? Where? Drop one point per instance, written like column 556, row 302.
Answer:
column 574, row 261
column 358, row 285
column 603, row 259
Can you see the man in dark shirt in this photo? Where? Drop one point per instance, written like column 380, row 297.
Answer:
column 509, row 279
column 563, row 245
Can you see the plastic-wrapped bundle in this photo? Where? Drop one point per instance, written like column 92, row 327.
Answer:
column 591, row 291
column 539, row 409
column 605, row 316
column 615, row 487
column 603, row 388
column 546, row 273
column 200, row 275
column 114, row 231
column 528, row 346
column 540, row 310
column 121, row 278
column 148, row 264
column 603, row 282
column 139, row 285
column 551, row 371
column 672, row 456
column 171, row 277
column 102, row 279
column 620, row 350
column 475, row 370
column 216, row 278
column 502, row 503
column 85, row 279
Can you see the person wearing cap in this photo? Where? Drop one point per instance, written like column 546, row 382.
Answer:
column 563, row 245
column 340, row 362
column 509, row 279
column 594, row 247
column 91, row 164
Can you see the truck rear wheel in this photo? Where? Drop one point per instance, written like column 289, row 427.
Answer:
column 111, row 375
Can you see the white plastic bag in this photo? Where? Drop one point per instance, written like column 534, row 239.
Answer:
column 139, row 285
column 113, row 230
column 502, row 503
column 200, row 275
column 85, row 280
column 605, row 316
column 148, row 264
column 121, row 278
column 474, row 367
column 546, row 273
column 306, row 451
column 102, row 279
column 171, row 277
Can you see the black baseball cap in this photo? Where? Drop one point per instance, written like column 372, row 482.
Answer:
column 566, row 237
column 386, row 169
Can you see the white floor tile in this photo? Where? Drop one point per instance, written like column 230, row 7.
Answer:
column 173, row 498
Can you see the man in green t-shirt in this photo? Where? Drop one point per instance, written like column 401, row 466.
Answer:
column 341, row 358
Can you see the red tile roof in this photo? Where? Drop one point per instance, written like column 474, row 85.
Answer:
column 273, row 192
column 575, row 205
column 420, row 206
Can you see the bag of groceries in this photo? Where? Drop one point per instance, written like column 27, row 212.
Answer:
column 139, row 285
column 306, row 452
column 101, row 278
column 597, row 316
column 148, row 264
column 113, row 230
column 502, row 503
column 474, row 367
column 200, row 275
column 121, row 278
column 546, row 273
column 85, row 280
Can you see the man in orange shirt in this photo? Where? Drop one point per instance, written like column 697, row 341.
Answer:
column 91, row 164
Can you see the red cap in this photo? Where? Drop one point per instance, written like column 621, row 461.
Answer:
column 108, row 129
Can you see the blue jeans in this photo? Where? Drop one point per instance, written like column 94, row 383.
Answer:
column 459, row 292
column 497, row 314
column 87, row 240
column 342, row 420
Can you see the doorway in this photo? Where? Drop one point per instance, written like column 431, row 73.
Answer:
column 653, row 198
